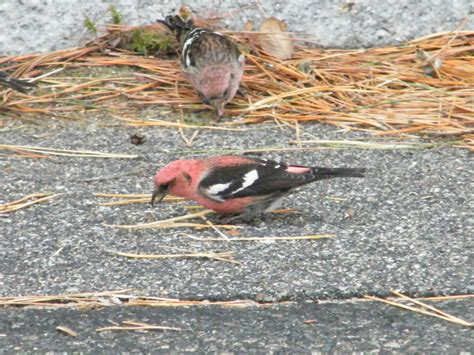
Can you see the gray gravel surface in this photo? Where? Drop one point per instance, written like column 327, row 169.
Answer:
column 45, row 25
column 407, row 225
column 334, row 327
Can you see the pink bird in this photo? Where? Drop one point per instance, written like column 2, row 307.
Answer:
column 211, row 61
column 238, row 185
column 16, row 84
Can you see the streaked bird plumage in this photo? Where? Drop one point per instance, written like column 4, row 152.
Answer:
column 211, row 61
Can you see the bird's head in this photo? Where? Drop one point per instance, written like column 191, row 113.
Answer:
column 217, row 86
column 173, row 179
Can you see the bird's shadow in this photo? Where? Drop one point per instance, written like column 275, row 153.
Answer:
column 295, row 219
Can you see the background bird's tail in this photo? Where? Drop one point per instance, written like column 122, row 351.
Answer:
column 177, row 24
column 16, row 84
column 328, row 173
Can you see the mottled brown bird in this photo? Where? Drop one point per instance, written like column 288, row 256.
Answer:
column 211, row 61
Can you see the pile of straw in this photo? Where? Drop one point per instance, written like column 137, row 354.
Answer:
column 425, row 86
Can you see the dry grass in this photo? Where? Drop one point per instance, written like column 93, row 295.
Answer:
column 85, row 300
column 136, row 326
column 219, row 256
column 26, row 202
column 261, row 239
column 23, row 151
column 129, row 199
column 385, row 91
column 92, row 300
column 176, row 222
column 423, row 308
column 67, row 331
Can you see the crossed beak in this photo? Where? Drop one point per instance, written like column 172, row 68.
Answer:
column 219, row 106
column 159, row 194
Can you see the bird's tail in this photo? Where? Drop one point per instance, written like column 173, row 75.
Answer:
column 177, row 24
column 328, row 173
column 16, row 84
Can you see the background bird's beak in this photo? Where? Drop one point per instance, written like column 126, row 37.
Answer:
column 219, row 107
column 159, row 194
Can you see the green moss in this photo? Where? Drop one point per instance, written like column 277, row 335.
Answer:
column 148, row 42
column 201, row 118
column 90, row 25
column 116, row 15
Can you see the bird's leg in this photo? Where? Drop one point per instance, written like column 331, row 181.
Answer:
column 226, row 218
column 249, row 215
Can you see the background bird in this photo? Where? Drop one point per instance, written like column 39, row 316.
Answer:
column 239, row 185
column 15, row 84
column 211, row 62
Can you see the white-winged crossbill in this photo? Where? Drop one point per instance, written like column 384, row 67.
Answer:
column 16, row 84
column 211, row 61
column 239, row 185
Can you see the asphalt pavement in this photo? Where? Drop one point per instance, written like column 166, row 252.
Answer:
column 408, row 225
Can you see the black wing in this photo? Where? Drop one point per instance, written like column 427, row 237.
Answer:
column 201, row 47
column 260, row 178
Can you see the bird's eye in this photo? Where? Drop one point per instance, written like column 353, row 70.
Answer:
column 226, row 92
